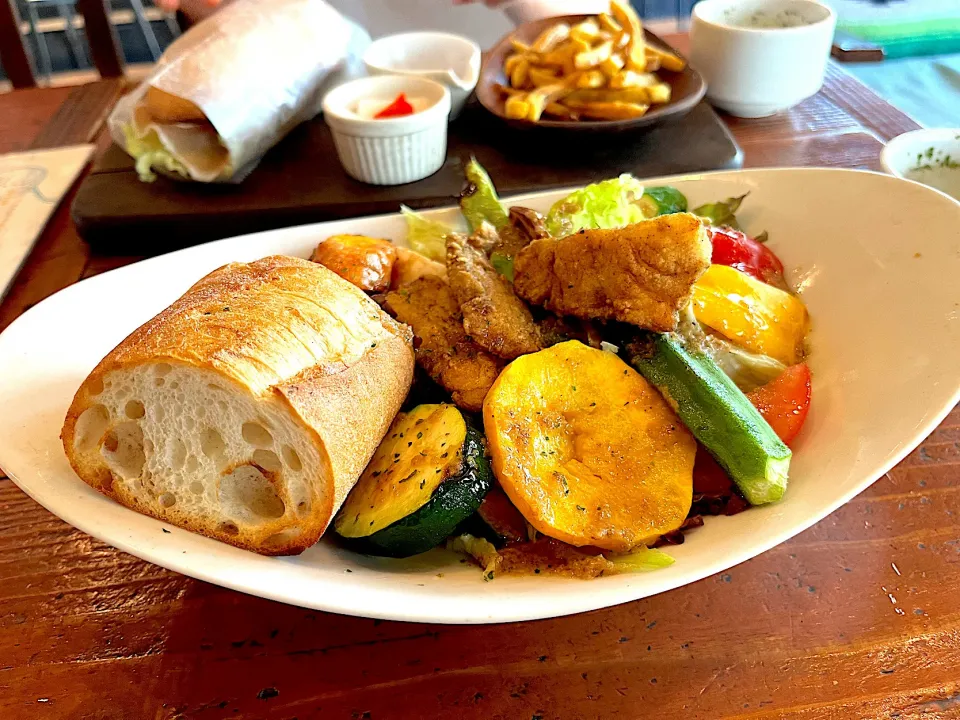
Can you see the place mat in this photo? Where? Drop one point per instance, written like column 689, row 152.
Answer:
column 32, row 184
column 301, row 180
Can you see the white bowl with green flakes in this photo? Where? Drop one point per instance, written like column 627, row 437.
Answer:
column 930, row 157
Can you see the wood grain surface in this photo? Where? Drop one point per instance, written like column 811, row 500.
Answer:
column 855, row 618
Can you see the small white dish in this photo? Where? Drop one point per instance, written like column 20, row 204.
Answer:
column 760, row 57
column 930, row 156
column 389, row 151
column 880, row 283
column 451, row 60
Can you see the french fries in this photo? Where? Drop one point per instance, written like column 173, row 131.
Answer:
column 561, row 112
column 611, row 110
column 634, row 53
column 608, row 23
column 550, row 38
column 629, row 79
column 591, row 79
column 540, row 76
column 659, row 93
column 668, row 61
column 593, row 57
column 588, row 30
column 600, row 68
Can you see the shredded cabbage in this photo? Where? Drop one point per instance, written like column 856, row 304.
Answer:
column 150, row 153
column 747, row 370
column 641, row 560
column 479, row 549
column 427, row 237
column 607, row 204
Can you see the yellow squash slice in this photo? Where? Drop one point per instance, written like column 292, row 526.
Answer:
column 588, row 451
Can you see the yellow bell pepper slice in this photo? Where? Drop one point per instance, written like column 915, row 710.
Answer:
column 748, row 312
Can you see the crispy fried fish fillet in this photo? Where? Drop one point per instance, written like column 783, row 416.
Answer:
column 641, row 274
column 493, row 316
column 441, row 345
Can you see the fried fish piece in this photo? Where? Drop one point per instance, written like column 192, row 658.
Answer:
column 411, row 265
column 441, row 345
column 493, row 316
column 526, row 225
column 367, row 262
column 641, row 274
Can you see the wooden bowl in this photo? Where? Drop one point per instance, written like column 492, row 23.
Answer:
column 688, row 88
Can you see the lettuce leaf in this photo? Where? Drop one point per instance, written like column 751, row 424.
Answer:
column 641, row 560
column 607, row 204
column 721, row 213
column 479, row 201
column 150, row 153
column 427, row 237
column 481, row 550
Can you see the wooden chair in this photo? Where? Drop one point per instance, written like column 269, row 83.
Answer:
column 65, row 10
column 101, row 36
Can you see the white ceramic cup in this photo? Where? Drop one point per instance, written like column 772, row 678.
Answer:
column 389, row 151
column 930, row 156
column 759, row 57
column 451, row 60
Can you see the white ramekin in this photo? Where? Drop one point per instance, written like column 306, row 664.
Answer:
column 451, row 60
column 391, row 151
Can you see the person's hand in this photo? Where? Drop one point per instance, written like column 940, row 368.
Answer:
column 188, row 6
column 488, row 3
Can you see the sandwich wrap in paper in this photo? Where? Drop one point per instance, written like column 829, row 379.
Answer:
column 256, row 70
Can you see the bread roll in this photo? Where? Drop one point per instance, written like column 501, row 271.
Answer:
column 246, row 410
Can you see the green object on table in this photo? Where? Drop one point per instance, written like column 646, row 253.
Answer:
column 920, row 27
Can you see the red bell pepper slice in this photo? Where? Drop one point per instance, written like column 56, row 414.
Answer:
column 785, row 401
column 738, row 250
column 709, row 478
column 398, row 108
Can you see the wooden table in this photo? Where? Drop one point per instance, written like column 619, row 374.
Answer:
column 856, row 618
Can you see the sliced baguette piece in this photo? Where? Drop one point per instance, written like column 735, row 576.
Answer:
column 246, row 410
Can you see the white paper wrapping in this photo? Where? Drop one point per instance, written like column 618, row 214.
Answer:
column 256, row 69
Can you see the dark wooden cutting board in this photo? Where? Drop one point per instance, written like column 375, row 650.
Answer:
column 301, row 180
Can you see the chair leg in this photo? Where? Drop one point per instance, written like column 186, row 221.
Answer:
column 43, row 51
column 145, row 28
column 171, row 20
column 73, row 37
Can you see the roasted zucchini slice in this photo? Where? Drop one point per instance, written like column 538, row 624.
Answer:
column 428, row 475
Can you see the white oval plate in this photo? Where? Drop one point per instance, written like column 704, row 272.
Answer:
column 878, row 259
